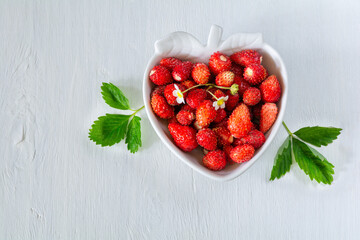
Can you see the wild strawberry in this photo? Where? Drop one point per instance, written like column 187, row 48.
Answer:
column 161, row 107
column 220, row 115
column 188, row 83
column 207, row 139
column 160, row 75
column 232, row 101
column 237, row 70
column 185, row 117
column 270, row 89
column 168, row 93
column 243, row 85
column 239, row 122
column 255, row 138
column 227, row 149
column 205, row 113
column 252, row 96
column 195, row 97
column 224, row 136
column 200, row 73
column 184, row 136
column 219, row 62
column 225, row 79
column 254, row 74
column 242, row 153
column 267, row 116
column 170, row 62
column 246, row 57
column 215, row 160
column 182, row 71
column 158, row 90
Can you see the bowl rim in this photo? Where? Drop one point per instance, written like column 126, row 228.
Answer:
column 206, row 172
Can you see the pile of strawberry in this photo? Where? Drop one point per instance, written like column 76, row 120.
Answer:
column 225, row 107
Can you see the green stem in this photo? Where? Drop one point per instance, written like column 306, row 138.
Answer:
column 207, row 84
column 287, row 129
column 137, row 110
column 212, row 95
column 222, row 87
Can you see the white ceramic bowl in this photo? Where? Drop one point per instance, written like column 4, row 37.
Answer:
column 186, row 47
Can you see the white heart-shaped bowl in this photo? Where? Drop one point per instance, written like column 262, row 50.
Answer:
column 184, row 46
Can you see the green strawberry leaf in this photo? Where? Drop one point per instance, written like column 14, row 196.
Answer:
column 114, row 97
column 318, row 136
column 109, row 129
column 283, row 160
column 133, row 136
column 312, row 162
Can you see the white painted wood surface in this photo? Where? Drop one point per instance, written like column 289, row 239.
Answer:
column 56, row 184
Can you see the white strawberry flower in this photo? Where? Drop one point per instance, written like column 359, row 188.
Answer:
column 220, row 102
column 178, row 94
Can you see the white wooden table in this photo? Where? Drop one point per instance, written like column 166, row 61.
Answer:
column 56, row 184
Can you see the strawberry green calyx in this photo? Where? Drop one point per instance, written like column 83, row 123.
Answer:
column 234, row 89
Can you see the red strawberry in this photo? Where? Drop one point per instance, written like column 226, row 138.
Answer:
column 219, row 62
column 200, row 73
column 225, row 79
column 170, row 62
column 252, row 96
column 205, row 113
column 270, row 89
column 237, row 70
column 224, row 136
column 188, row 83
column 161, row 107
column 246, row 57
column 220, row 115
column 182, row 71
column 215, row 160
column 195, row 97
column 254, row 74
column 158, row 90
column 227, row 149
column 160, row 75
column 184, row 136
column 168, row 92
column 207, row 139
column 242, row 153
column 239, row 122
column 243, row 85
column 185, row 117
column 267, row 116
column 254, row 138
column 232, row 101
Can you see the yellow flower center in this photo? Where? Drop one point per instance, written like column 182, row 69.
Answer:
column 220, row 102
column 180, row 95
